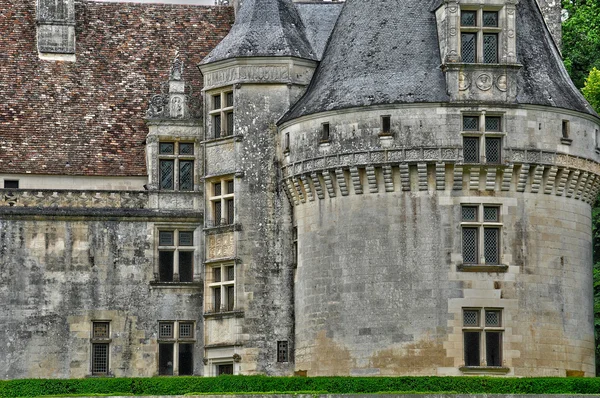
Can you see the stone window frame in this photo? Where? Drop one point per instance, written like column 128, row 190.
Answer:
column 483, row 328
column 223, row 111
column 176, row 157
column 100, row 340
column 221, row 203
column 481, row 225
column 175, row 248
column 480, row 31
column 506, row 30
column 174, row 340
column 223, row 285
column 483, row 134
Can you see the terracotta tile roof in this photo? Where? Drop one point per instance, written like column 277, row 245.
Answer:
column 87, row 117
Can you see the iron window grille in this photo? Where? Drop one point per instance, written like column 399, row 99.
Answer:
column 482, row 336
column 282, row 351
column 100, row 343
column 175, row 255
column 176, row 348
column 222, row 203
column 221, row 288
column 176, row 165
column 480, row 32
column 481, row 226
column 221, row 114
column 482, row 135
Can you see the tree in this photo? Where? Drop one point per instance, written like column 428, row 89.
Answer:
column 581, row 38
column 591, row 89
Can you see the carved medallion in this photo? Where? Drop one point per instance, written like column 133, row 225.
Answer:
column 501, row 83
column 464, row 82
column 484, row 82
column 452, row 31
column 511, row 33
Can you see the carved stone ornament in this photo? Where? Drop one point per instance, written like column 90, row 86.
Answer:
column 484, row 82
column 501, row 83
column 464, row 82
column 236, row 358
column 177, row 69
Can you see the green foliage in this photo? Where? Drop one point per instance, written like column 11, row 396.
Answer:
column 591, row 89
column 581, row 38
column 296, row 385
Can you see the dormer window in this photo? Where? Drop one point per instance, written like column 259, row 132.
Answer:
column 479, row 32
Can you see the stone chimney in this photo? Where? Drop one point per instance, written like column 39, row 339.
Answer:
column 552, row 14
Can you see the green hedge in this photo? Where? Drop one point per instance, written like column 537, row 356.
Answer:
column 263, row 384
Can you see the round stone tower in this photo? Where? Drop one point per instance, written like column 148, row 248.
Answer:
column 441, row 167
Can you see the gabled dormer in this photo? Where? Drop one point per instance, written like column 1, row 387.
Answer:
column 478, row 48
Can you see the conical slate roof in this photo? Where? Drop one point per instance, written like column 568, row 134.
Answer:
column 387, row 52
column 264, row 28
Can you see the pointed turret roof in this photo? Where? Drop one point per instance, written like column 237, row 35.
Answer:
column 387, row 52
column 264, row 28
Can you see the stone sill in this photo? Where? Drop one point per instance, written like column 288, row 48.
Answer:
column 484, row 369
column 566, row 141
column 219, row 229
column 224, row 314
column 234, row 137
column 222, row 260
column 177, row 285
column 481, row 268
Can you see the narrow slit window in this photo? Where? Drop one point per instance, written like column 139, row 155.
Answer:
column 325, row 132
column 386, row 124
column 565, row 129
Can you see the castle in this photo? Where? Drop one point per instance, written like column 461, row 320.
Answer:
column 385, row 187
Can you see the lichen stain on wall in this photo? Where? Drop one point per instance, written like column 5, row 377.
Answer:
column 330, row 358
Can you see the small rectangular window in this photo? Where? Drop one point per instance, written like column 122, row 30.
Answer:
column 490, row 19
column 286, row 142
column 565, row 129
column 386, row 124
column 225, row 369
column 471, row 318
column 229, row 96
column 493, row 318
column 11, row 184
column 186, row 175
column 491, row 245
column 186, row 330
column 100, row 358
column 166, row 148
column 165, row 265
column 230, row 273
column 217, row 299
column 493, row 150
column 166, row 238
column 282, row 351
column 468, row 47
column 490, row 48
column 229, row 116
column 217, row 274
column 217, row 101
column 471, row 149
column 165, row 330
column 186, row 266
column 100, row 330
column 471, row 123
column 325, row 132
column 469, row 213
column 493, row 123
column 167, row 174
column 470, row 245
column 165, row 359
column 230, row 211
column 493, row 348
column 468, row 18
column 218, row 214
column 230, row 297
column 491, row 214
column 471, row 342
column 186, row 238
column 186, row 149
column 230, row 187
column 217, row 126
column 217, row 189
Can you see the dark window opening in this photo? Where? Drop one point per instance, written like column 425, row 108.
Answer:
column 217, row 126
column 286, row 142
column 230, row 211
column 186, row 266
column 166, row 148
column 229, row 116
column 186, row 359
column 217, row 299
column 490, row 19
column 218, row 213
column 165, row 359
column 386, row 124
column 469, row 47
column 217, row 101
column 225, row 369
column 493, row 123
column 186, row 175
column 282, row 351
column 468, row 18
column 229, row 96
column 565, row 129
column 471, row 123
column 167, row 174
column 230, row 297
column 493, row 348
column 491, row 245
column 471, row 341
column 165, row 266
column 186, row 238
column 11, row 184
column 325, row 132
column 470, row 252
column 490, row 48
column 230, row 186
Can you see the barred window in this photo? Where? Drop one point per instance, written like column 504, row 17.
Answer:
column 471, row 149
column 479, row 36
column 176, row 166
column 481, row 238
column 490, row 332
column 175, row 255
column 221, row 114
column 493, row 149
column 477, row 142
column 169, row 343
column 100, row 342
column 282, row 351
